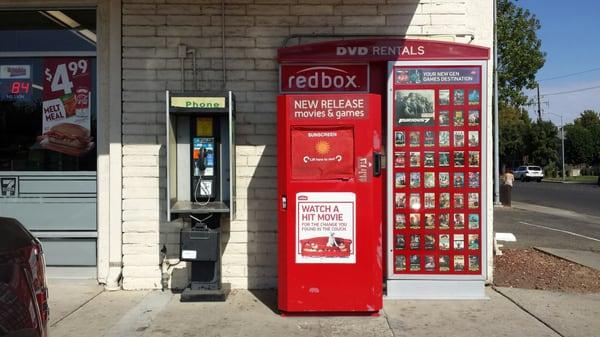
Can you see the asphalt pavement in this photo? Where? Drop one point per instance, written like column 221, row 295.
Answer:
column 534, row 229
column 553, row 215
column 583, row 198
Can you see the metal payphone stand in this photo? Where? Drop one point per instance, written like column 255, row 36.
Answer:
column 201, row 183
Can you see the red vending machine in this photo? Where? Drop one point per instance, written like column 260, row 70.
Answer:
column 330, row 203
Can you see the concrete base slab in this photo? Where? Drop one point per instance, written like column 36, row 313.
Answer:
column 205, row 295
column 67, row 295
column 582, row 257
column 436, row 289
column 97, row 317
column 494, row 318
column 254, row 314
column 573, row 315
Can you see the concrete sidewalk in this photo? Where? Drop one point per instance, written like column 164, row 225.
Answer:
column 583, row 257
column 508, row 312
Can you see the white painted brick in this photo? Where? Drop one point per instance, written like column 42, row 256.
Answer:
column 141, row 283
column 141, row 204
column 235, row 259
column 147, row 238
column 236, row 248
column 185, row 20
column 318, row 20
column 140, row 248
column 245, row 150
column 446, row 7
column 450, row 19
column 236, row 282
column 279, row 20
column 238, row 237
column 235, row 271
column 268, row 9
column 140, row 226
column 141, row 192
column 172, row 238
column 239, row 225
column 142, row 149
column 364, row 20
column 180, row 9
column 141, row 271
column 135, row 85
column 254, row 29
column 136, row 171
column 133, row 96
column 139, row 139
column 140, row 215
column 141, row 260
column 142, row 182
column 144, row 41
column 139, row 31
column 135, row 160
column 262, row 283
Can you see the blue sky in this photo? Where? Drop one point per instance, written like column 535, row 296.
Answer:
column 570, row 37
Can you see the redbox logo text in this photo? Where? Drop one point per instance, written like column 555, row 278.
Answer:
column 326, row 78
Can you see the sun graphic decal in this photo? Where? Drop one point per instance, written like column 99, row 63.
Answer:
column 322, row 147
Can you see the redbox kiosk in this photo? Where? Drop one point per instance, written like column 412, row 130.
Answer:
column 330, row 210
column 436, row 193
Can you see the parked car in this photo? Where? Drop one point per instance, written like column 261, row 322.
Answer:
column 525, row 173
column 23, row 286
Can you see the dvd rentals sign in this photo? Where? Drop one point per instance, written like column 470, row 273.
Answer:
column 66, row 117
column 324, row 78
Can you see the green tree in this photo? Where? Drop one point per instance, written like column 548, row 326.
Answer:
column 588, row 119
column 542, row 143
column 519, row 54
column 578, row 144
column 582, row 141
column 515, row 124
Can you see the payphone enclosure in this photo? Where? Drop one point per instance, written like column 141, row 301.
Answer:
column 201, row 183
column 200, row 154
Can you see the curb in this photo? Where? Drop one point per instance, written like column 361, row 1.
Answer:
column 543, row 250
column 568, row 182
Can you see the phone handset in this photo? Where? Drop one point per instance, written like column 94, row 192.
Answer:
column 203, row 168
column 199, row 161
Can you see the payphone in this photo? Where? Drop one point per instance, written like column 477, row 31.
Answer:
column 201, row 183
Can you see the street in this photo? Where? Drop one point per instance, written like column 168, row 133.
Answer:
column 568, row 216
column 583, row 198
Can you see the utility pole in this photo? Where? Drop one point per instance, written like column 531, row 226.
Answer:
column 496, row 128
column 538, row 99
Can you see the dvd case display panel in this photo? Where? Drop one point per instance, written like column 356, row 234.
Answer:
column 435, row 114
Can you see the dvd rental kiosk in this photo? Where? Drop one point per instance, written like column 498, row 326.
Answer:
column 433, row 206
column 330, row 210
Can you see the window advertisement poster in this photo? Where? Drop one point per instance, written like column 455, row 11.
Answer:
column 323, row 153
column 436, row 135
column 66, row 116
column 326, row 227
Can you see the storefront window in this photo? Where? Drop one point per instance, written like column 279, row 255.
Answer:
column 48, row 30
column 47, row 90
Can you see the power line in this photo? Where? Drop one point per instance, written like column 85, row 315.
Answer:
column 569, row 75
column 570, row 91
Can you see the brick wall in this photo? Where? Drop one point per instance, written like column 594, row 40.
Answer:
column 254, row 29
